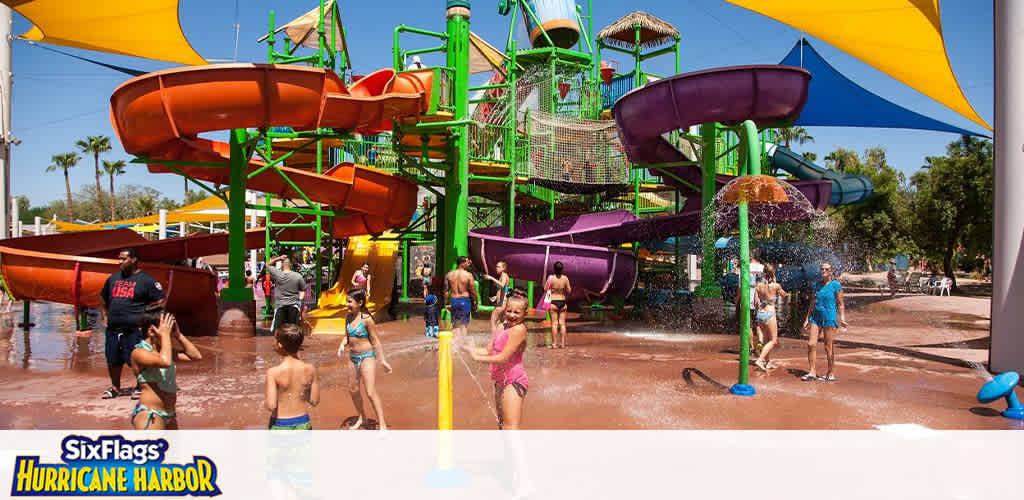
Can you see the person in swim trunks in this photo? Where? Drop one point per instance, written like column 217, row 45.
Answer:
column 506, row 358
column 364, row 351
column 291, row 385
column 558, row 286
column 769, row 291
column 153, row 360
column 125, row 296
column 289, row 291
column 822, row 317
column 460, row 291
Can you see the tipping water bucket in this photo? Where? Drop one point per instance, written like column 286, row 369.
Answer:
column 556, row 17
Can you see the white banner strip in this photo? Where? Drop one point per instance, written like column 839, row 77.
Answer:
column 900, row 462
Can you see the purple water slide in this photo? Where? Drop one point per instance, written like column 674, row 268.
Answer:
column 623, row 227
column 766, row 94
column 581, row 244
column 592, row 270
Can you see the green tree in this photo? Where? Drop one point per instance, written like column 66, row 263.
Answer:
column 877, row 228
column 65, row 161
column 953, row 204
column 96, row 145
column 839, row 159
column 113, row 168
column 798, row 135
column 195, row 196
column 146, row 205
column 811, row 156
column 23, row 205
column 26, row 212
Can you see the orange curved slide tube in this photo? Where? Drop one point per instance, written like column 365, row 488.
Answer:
column 77, row 280
column 161, row 114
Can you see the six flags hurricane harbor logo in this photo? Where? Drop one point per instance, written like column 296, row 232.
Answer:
column 113, row 466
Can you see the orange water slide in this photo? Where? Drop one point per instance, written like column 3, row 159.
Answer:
column 71, row 268
column 161, row 114
column 30, row 273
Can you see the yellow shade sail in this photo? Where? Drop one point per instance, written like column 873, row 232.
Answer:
column 140, row 28
column 211, row 209
column 901, row 38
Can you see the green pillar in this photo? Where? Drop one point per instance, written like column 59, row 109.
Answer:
column 441, row 236
column 678, row 272
column 405, row 271
column 318, row 236
column 456, row 199
column 237, row 310
column 25, row 314
column 750, row 164
column 268, row 306
column 237, row 220
column 236, row 290
column 708, row 270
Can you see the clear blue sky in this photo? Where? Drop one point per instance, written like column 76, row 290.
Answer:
column 58, row 99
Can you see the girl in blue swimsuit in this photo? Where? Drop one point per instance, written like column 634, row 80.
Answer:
column 826, row 315
column 364, row 351
column 153, row 360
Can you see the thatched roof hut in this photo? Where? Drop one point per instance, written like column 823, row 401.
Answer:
column 653, row 31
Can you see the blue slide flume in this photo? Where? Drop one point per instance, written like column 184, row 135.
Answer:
column 846, row 188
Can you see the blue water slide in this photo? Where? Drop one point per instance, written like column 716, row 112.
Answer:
column 846, row 188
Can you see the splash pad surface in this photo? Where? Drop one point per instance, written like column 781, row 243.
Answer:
column 903, row 361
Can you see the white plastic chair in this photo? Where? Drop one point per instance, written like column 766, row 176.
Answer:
column 946, row 285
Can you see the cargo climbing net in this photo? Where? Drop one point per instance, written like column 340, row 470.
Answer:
column 576, row 155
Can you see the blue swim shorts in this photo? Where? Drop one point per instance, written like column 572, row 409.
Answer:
column 462, row 310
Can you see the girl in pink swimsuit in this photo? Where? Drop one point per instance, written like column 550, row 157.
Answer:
column 361, row 278
column 506, row 358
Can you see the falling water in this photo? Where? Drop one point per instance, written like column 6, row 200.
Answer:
column 981, row 370
column 787, row 203
column 483, row 394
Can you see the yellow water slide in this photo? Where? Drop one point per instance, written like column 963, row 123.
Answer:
column 329, row 317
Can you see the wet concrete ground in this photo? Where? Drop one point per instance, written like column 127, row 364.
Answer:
column 903, row 361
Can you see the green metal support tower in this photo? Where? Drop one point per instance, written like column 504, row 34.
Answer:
column 456, row 199
column 708, row 270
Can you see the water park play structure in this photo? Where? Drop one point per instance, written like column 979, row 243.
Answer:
column 558, row 156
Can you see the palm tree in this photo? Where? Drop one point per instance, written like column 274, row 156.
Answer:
column 113, row 168
column 65, row 161
column 798, row 135
column 96, row 144
column 146, row 205
column 840, row 159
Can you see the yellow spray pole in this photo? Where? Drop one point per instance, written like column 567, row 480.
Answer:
column 445, row 475
column 444, row 381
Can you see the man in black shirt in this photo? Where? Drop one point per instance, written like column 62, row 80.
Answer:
column 125, row 296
